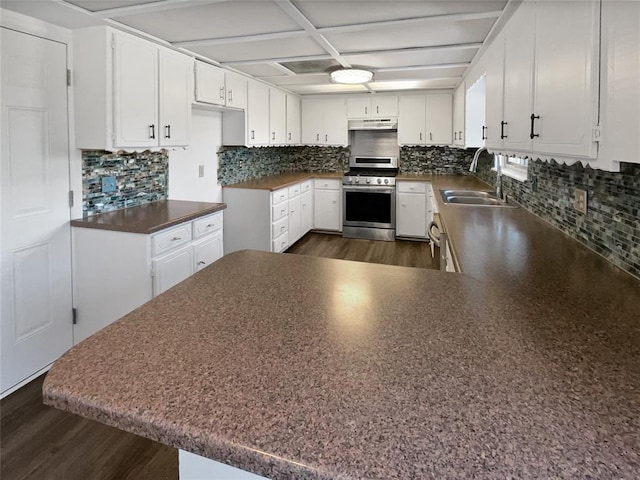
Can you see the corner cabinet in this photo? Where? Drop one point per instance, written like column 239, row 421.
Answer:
column 136, row 267
column 129, row 93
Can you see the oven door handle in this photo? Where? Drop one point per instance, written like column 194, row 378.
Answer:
column 364, row 188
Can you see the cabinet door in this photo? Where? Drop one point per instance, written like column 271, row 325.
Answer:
column 359, row 107
column 295, row 219
column 210, row 86
column 277, row 117
column 494, row 92
column 293, row 119
column 312, row 121
column 518, row 77
column 384, row 107
column 236, row 86
column 176, row 92
column 171, row 269
column 135, row 92
column 411, row 215
column 411, row 120
column 566, row 77
column 458, row 114
column 335, row 122
column 257, row 114
column 438, row 123
column 306, row 212
column 327, row 214
column 207, row 250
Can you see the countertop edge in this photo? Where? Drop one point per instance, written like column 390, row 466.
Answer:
column 286, row 182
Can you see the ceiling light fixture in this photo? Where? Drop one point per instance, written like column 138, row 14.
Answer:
column 351, row 76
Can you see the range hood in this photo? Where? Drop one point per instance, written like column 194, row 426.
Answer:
column 374, row 124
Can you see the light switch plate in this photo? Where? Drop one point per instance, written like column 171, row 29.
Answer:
column 200, row 171
column 109, row 184
column 580, row 201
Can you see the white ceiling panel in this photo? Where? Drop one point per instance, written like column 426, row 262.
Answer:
column 411, row 58
column 420, row 74
column 309, row 79
column 330, row 13
column 98, row 5
column 433, row 84
column 217, row 20
column 260, row 70
column 51, row 12
column 327, row 88
column 445, row 33
column 260, row 50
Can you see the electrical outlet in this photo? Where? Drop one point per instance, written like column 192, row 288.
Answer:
column 580, row 201
column 109, row 184
column 200, row 171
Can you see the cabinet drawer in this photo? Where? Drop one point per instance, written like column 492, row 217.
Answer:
column 281, row 243
column 207, row 224
column 169, row 239
column 412, row 187
column 279, row 196
column 306, row 186
column 279, row 227
column 326, row 184
column 294, row 191
column 279, row 211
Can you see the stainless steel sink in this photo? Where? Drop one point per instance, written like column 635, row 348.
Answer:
column 473, row 197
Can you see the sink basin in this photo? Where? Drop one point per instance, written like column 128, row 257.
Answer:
column 473, row 197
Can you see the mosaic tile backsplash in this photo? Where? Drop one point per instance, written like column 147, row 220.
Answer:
column 435, row 160
column 141, row 177
column 611, row 226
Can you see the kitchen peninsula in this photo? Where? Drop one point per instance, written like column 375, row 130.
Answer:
column 300, row 367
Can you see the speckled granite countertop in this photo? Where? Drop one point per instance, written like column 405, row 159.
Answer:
column 149, row 218
column 276, row 182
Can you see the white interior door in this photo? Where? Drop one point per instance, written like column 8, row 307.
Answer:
column 35, row 237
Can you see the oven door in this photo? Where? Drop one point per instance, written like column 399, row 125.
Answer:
column 369, row 206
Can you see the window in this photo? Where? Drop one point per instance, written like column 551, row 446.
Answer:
column 512, row 166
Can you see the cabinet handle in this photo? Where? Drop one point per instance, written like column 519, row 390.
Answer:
column 318, row 137
column 210, row 225
column 202, row 262
column 253, row 136
column 289, row 136
column 152, row 131
column 533, row 119
column 420, row 136
column 484, row 137
column 221, row 93
column 377, row 109
column 176, row 238
column 231, row 95
column 282, row 228
column 455, row 135
column 167, row 131
column 326, row 138
column 430, row 136
column 365, row 110
column 502, row 135
column 273, row 135
column 460, row 135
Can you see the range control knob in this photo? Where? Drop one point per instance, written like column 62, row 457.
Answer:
column 386, row 181
column 368, row 180
column 379, row 180
column 350, row 180
column 357, row 180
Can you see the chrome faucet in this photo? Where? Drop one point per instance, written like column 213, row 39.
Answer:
column 474, row 162
column 499, row 189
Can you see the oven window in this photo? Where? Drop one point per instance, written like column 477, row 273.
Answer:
column 368, row 207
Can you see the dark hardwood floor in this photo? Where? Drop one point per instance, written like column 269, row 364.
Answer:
column 400, row 252
column 41, row 443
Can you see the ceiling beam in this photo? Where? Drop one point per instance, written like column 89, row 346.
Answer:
column 159, row 6
column 283, row 69
column 208, row 42
column 291, row 10
column 413, row 68
column 255, row 61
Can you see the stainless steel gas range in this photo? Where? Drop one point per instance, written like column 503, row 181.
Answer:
column 369, row 198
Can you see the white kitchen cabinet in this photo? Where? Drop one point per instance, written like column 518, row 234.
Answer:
column 295, row 219
column 494, row 92
column 327, row 205
column 257, row 114
column 551, row 78
column 324, row 121
column 425, row 119
column 620, row 101
column 277, row 117
column 458, row 115
column 129, row 93
column 236, row 86
column 411, row 209
column 383, row 106
column 306, row 209
column 293, row 119
column 216, row 86
column 136, row 267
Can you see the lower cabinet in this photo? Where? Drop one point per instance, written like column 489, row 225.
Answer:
column 116, row 272
column 412, row 209
column 327, row 205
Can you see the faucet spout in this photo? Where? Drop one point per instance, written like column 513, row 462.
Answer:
column 474, row 162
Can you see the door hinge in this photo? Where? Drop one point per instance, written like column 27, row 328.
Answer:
column 596, row 134
column 68, row 77
column 70, row 198
column 74, row 315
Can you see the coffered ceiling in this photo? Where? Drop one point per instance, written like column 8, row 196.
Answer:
column 416, row 44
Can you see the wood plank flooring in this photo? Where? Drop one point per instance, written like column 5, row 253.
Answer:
column 42, row 443
column 401, row 252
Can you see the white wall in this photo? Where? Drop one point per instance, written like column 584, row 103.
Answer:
column 206, row 137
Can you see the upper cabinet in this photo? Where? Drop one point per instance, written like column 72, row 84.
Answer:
column 293, row 119
column 620, row 104
column 257, row 115
column 372, row 107
column 129, row 93
column 425, row 119
column 494, row 90
column 550, row 82
column 277, row 117
column 458, row 115
column 324, row 121
column 219, row 87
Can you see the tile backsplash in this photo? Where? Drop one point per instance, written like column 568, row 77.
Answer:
column 611, row 226
column 141, row 177
column 435, row 160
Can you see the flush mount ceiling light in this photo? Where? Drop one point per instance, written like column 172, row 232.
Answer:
column 351, row 76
